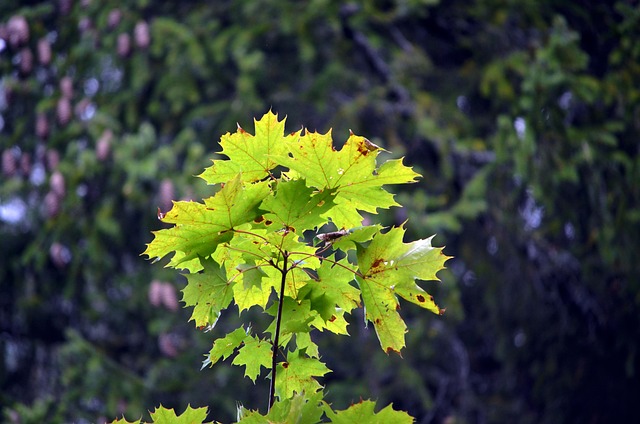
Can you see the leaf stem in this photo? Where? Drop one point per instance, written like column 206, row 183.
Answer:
column 249, row 233
column 276, row 339
column 240, row 272
column 322, row 258
column 264, row 258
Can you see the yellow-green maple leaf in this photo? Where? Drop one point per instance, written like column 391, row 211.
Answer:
column 250, row 155
column 351, row 171
column 253, row 355
column 298, row 374
column 389, row 267
column 208, row 292
column 364, row 412
column 199, row 228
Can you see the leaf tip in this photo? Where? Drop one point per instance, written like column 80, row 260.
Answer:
column 392, row 350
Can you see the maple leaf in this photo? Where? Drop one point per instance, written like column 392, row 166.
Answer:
column 364, row 412
column 299, row 252
column 199, row 228
column 300, row 409
column 351, row 171
column 331, row 290
column 296, row 206
column 296, row 375
column 303, row 341
column 254, row 354
column 250, row 155
column 125, row 421
column 190, row 416
column 254, row 289
column 346, row 239
column 296, row 317
column 226, row 346
column 388, row 266
column 208, row 292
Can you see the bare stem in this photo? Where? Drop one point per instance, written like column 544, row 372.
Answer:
column 276, row 339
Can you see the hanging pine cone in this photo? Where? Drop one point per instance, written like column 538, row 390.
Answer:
column 18, row 31
column 26, row 61
column 9, row 163
column 103, row 146
column 124, row 45
column 56, row 182
column 60, row 255
column 66, row 87
column 141, row 35
column 65, row 6
column 63, row 111
column 113, row 20
column 25, row 164
column 84, row 24
column 44, row 51
column 53, row 159
column 42, row 126
column 51, row 204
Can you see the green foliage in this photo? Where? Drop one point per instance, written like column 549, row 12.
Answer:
column 264, row 232
column 168, row 416
column 521, row 116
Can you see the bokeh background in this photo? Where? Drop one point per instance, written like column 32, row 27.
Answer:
column 522, row 116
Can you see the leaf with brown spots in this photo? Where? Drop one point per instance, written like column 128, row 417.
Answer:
column 298, row 374
column 352, row 171
column 389, row 267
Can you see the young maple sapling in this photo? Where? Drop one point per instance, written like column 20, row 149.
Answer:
column 284, row 233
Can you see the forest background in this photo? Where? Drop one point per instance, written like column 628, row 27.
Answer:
column 523, row 117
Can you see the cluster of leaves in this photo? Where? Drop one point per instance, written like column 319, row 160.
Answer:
column 287, row 218
column 522, row 117
column 298, row 409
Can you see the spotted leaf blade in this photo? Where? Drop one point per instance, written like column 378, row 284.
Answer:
column 389, row 267
column 298, row 374
column 380, row 307
column 352, row 171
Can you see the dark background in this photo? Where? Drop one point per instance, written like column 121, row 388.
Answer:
column 522, row 116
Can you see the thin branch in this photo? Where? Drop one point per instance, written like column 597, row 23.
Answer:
column 322, row 258
column 276, row 341
column 240, row 272
column 250, row 234
column 326, row 247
